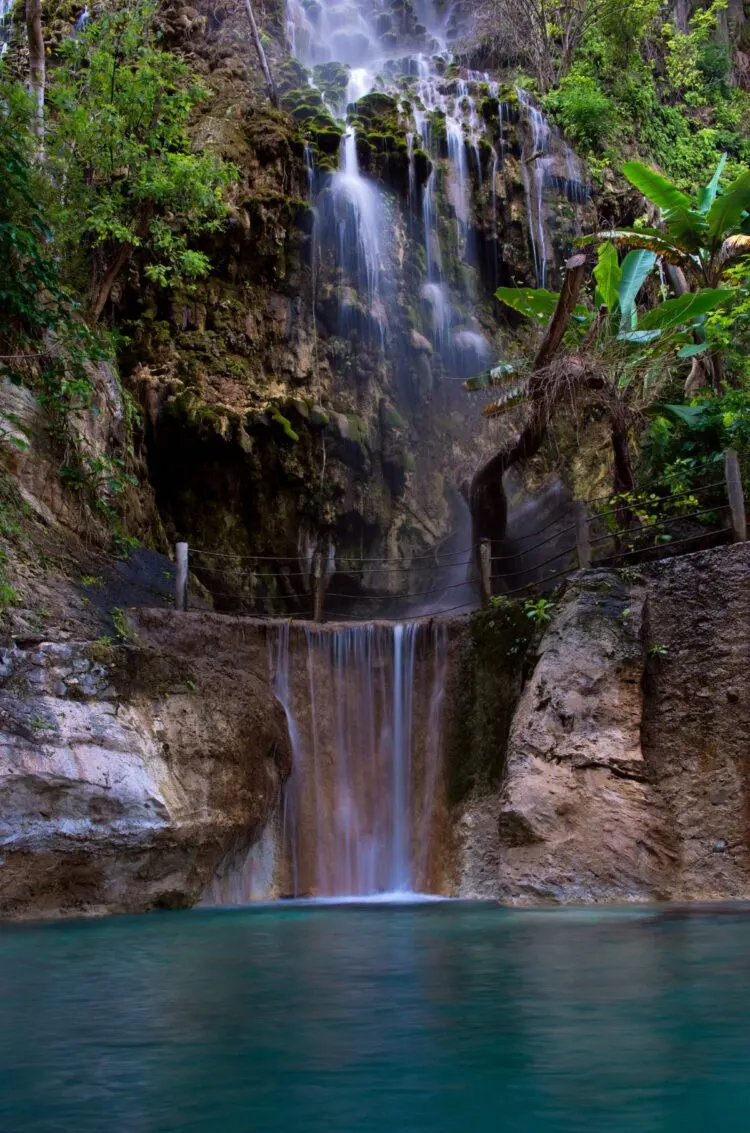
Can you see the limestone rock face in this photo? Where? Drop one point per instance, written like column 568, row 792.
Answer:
column 574, row 820
column 696, row 722
column 126, row 777
column 626, row 769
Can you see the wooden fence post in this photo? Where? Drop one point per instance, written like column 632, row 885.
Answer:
column 318, row 585
column 181, row 578
column 735, row 495
column 583, row 541
column 485, row 566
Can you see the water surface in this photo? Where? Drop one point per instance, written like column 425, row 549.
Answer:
column 405, row 1018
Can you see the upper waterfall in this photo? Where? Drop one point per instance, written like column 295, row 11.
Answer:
column 429, row 184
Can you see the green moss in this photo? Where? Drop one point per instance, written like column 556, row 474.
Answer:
column 189, row 406
column 487, row 689
column 437, row 126
column 356, row 428
column 101, row 653
column 392, row 419
column 333, row 80
column 375, row 105
column 327, row 139
column 286, row 425
column 422, row 165
column 290, row 75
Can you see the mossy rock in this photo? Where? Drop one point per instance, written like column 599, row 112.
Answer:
column 487, row 688
column 306, row 111
column 333, row 80
column 375, row 106
column 422, row 166
column 489, row 109
column 290, row 75
column 438, row 128
column 391, row 420
column 327, row 138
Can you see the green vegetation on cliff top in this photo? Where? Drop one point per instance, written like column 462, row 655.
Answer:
column 631, row 78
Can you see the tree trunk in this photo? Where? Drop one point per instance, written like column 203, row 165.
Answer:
column 678, row 279
column 682, row 12
column 575, row 269
column 37, row 69
column 624, row 481
column 487, row 496
column 104, row 289
column 706, row 371
column 273, row 94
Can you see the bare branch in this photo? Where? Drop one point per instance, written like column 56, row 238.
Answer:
column 37, row 68
column 273, row 93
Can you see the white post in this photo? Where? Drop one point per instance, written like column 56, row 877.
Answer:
column 485, row 565
column 181, row 579
column 583, row 542
column 318, row 585
column 736, row 495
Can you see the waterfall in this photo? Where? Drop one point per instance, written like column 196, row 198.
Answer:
column 364, row 707
column 5, row 25
column 405, row 55
column 355, row 234
column 358, row 222
column 547, row 163
column 534, row 165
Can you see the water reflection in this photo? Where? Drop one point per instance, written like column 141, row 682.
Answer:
column 438, row 1017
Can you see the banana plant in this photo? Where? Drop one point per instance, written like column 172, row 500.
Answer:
column 617, row 360
column 614, row 325
column 703, row 234
column 701, row 238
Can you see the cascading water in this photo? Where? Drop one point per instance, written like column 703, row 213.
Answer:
column 535, row 165
column 363, row 808
column 457, row 150
column 364, row 706
column 357, row 214
column 5, row 24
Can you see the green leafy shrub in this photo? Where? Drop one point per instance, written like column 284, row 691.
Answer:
column 126, row 178
column 684, row 445
column 583, row 110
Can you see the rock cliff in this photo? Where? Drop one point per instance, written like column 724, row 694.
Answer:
column 128, row 773
column 625, row 769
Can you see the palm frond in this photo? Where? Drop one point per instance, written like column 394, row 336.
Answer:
column 510, row 396
column 498, row 375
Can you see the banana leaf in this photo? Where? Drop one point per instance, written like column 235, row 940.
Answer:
column 636, row 266
column 727, row 210
column 684, row 309
column 656, row 187
column 608, row 274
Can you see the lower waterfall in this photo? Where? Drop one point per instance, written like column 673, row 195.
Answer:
column 364, row 708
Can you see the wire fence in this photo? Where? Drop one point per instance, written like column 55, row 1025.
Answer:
column 611, row 531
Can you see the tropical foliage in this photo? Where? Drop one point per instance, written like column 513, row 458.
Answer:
column 43, row 339
column 702, row 237
column 117, row 177
column 625, row 345
column 703, row 233
column 642, row 77
column 120, row 160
